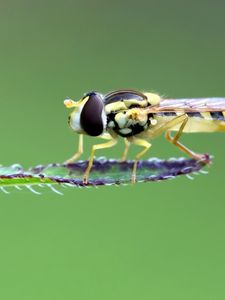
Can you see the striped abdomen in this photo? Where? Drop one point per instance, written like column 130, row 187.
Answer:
column 214, row 115
column 198, row 121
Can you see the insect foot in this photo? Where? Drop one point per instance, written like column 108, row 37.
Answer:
column 85, row 179
column 203, row 158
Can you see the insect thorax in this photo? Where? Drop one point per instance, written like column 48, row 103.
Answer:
column 127, row 124
column 125, row 113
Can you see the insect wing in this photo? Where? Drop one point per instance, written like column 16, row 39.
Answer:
column 189, row 105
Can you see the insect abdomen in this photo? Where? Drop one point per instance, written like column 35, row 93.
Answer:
column 197, row 122
column 208, row 115
column 213, row 115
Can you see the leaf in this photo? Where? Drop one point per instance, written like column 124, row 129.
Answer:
column 104, row 172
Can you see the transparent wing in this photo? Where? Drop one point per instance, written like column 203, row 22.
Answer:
column 189, row 105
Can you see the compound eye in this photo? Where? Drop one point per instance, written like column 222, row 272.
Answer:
column 91, row 115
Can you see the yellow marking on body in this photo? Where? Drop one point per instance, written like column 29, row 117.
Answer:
column 129, row 102
column 133, row 114
column 179, row 113
column 153, row 99
column 121, row 119
column 153, row 121
column 206, row 115
column 111, row 124
column 223, row 112
column 142, row 119
column 125, row 130
column 115, row 106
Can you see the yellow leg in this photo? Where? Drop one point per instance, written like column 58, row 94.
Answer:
column 79, row 151
column 127, row 144
column 146, row 146
column 109, row 144
column 174, row 140
column 159, row 129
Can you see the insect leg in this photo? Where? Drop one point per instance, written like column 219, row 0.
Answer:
column 146, row 145
column 79, row 151
column 109, row 144
column 159, row 129
column 127, row 144
column 174, row 140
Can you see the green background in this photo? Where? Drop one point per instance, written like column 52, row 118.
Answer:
column 149, row 241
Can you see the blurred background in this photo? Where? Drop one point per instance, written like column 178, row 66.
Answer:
column 148, row 241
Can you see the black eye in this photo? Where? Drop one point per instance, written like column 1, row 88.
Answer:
column 91, row 115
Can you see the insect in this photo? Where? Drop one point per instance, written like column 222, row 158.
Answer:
column 138, row 118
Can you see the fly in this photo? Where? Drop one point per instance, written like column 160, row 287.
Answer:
column 139, row 117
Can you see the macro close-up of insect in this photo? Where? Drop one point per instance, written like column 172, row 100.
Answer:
column 139, row 117
column 112, row 150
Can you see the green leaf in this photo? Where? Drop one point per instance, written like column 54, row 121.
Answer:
column 104, row 172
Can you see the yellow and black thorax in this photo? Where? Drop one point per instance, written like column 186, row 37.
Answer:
column 123, row 112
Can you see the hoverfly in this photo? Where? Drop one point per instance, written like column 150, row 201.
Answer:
column 139, row 117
